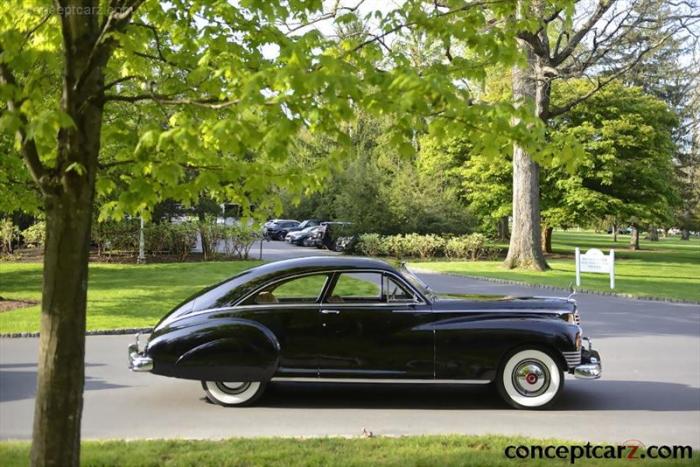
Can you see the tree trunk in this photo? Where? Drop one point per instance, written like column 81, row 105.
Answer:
column 634, row 239
column 653, row 234
column 614, row 228
column 68, row 193
column 547, row 239
column 685, row 234
column 503, row 233
column 60, row 374
column 525, row 249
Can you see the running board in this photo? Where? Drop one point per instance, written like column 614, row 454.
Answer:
column 378, row 380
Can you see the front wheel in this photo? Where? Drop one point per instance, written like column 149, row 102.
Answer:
column 530, row 379
column 231, row 394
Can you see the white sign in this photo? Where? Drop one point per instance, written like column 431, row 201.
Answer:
column 595, row 261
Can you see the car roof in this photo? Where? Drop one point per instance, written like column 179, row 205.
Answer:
column 319, row 263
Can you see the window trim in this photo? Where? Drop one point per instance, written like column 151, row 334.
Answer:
column 417, row 298
column 332, row 273
column 282, row 280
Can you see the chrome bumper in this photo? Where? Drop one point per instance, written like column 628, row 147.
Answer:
column 590, row 367
column 588, row 371
column 137, row 360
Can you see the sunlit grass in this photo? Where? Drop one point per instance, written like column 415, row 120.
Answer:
column 119, row 295
column 669, row 268
column 406, row 451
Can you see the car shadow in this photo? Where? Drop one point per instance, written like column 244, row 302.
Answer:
column 577, row 396
column 18, row 381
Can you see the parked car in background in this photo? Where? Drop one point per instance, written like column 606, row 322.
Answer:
column 330, row 232
column 276, row 229
column 305, row 225
column 297, row 237
column 341, row 319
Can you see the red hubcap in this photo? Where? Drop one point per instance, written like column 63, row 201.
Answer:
column 531, row 378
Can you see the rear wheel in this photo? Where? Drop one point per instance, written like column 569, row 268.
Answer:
column 231, row 394
column 530, row 379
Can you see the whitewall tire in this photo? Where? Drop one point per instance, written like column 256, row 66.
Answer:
column 530, row 379
column 231, row 394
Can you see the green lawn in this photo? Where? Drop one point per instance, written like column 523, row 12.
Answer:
column 669, row 268
column 137, row 296
column 405, row 451
column 119, row 295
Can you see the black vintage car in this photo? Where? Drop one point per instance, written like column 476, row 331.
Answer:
column 348, row 320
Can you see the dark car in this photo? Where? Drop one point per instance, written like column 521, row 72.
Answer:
column 298, row 237
column 276, row 229
column 359, row 320
column 305, row 225
column 329, row 233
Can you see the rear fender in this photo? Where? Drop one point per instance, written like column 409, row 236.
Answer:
column 230, row 350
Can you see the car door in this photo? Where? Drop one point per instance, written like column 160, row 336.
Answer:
column 374, row 327
column 290, row 309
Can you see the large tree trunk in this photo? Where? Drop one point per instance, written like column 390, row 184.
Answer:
column 614, row 229
column 634, row 239
column 685, row 234
column 68, row 198
column 525, row 249
column 547, row 239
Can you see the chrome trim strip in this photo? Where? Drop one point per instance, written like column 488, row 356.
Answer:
column 572, row 358
column 378, row 380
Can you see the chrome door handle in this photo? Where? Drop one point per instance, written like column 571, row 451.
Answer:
column 330, row 312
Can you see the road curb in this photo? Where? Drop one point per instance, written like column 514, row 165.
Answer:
column 96, row 332
column 552, row 287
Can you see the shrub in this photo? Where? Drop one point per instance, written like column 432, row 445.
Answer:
column 238, row 239
column 8, row 233
column 371, row 245
column 34, row 235
column 113, row 236
column 181, row 239
column 395, row 245
column 211, row 234
column 466, row 247
column 427, row 246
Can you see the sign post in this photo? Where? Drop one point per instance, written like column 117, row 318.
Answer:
column 595, row 261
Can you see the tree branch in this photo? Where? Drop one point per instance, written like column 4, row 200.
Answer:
column 170, row 99
column 29, row 149
column 601, row 83
column 577, row 37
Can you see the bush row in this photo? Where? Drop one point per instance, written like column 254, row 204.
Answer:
column 166, row 238
column 177, row 239
column 467, row 247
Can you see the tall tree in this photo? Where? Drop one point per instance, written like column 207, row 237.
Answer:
column 570, row 42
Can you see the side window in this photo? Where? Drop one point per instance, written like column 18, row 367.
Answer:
column 396, row 292
column 305, row 289
column 357, row 287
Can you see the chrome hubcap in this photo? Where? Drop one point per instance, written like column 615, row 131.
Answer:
column 232, row 387
column 531, row 378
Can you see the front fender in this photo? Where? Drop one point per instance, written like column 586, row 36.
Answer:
column 473, row 348
column 218, row 350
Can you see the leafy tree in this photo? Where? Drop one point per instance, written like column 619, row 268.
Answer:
column 204, row 97
column 569, row 41
column 627, row 172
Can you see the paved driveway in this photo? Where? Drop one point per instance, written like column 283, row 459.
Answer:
column 650, row 390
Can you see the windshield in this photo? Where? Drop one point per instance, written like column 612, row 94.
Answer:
column 416, row 282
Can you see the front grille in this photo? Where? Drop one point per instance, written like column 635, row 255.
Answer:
column 573, row 359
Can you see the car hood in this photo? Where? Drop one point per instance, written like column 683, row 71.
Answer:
column 466, row 302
